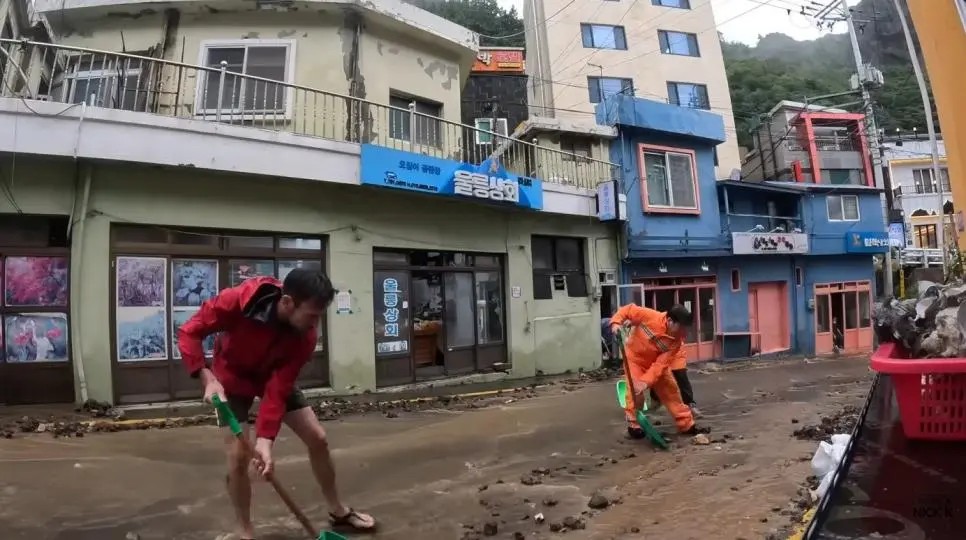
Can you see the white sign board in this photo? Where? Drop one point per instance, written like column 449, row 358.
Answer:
column 767, row 243
column 607, row 201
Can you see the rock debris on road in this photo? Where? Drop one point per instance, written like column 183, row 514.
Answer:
column 531, row 463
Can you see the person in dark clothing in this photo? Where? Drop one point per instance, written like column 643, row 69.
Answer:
column 266, row 334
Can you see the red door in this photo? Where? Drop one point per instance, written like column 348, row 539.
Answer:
column 768, row 311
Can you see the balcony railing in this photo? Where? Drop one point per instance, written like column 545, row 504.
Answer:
column 826, row 144
column 66, row 74
column 762, row 223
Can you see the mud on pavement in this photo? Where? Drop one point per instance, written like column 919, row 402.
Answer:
column 532, row 463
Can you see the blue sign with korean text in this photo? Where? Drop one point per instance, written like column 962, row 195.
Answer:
column 488, row 181
column 867, row 242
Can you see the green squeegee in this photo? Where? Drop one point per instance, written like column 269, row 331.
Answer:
column 225, row 415
column 622, row 389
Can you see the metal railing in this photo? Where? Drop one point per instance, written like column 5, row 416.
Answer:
column 762, row 223
column 67, row 74
column 912, row 256
column 826, row 143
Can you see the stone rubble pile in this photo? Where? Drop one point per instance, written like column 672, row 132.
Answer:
column 932, row 325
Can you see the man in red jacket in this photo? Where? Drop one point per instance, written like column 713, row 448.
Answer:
column 266, row 333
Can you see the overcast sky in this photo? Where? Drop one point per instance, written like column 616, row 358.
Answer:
column 761, row 19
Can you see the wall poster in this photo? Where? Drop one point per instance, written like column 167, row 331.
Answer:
column 193, row 282
column 141, row 311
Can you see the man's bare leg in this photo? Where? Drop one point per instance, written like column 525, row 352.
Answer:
column 304, row 423
column 239, row 484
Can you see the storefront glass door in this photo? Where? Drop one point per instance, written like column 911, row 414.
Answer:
column 843, row 319
column 454, row 307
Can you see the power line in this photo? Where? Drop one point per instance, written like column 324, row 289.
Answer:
column 524, row 31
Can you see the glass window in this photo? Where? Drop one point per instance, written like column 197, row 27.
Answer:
column 285, row 266
column 251, row 242
column 664, row 299
column 735, row 280
column 691, row 95
column 688, row 298
column 865, row 318
column 132, row 234
column 822, row 314
column 707, row 313
column 390, row 257
column 242, row 94
column 195, row 239
column 542, row 253
column 567, row 256
column 670, row 180
column 486, row 260
column 459, row 309
column 682, row 4
column 680, row 43
column 601, row 87
column 851, row 311
column 603, row 36
column 850, row 207
column 489, row 307
column 300, row 243
column 427, row 129
column 391, row 311
column 242, row 269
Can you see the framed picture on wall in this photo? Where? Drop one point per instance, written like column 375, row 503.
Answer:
column 142, row 334
column 35, row 281
column 35, row 337
column 193, row 282
column 141, row 281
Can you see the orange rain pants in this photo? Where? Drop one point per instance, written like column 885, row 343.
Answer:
column 650, row 354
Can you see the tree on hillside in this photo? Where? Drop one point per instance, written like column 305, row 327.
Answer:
column 485, row 17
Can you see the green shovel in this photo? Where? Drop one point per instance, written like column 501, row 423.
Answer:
column 225, row 415
column 622, row 389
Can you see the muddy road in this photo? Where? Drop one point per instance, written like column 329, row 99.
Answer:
column 532, row 464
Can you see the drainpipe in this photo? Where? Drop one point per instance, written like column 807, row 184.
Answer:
column 75, row 317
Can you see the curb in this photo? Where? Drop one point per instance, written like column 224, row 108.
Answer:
column 163, row 419
column 799, row 531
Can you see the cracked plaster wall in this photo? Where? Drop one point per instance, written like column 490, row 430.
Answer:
column 383, row 58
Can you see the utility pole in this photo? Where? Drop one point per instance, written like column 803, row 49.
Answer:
column 931, row 127
column 871, row 131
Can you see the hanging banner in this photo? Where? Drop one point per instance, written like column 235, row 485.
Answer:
column 748, row 243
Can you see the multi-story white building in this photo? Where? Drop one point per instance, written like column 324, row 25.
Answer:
column 577, row 53
column 922, row 197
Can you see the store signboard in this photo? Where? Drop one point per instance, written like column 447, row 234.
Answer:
column 748, row 243
column 489, row 181
column 499, row 61
column 867, row 242
column 897, row 235
column 391, row 305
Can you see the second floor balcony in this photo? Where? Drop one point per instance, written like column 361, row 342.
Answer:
column 222, row 94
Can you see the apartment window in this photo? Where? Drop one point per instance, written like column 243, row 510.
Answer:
column 735, row 280
column 714, row 154
column 799, row 276
column 486, row 124
column 267, row 59
column 926, row 236
column 423, row 128
column 601, row 87
column 576, row 147
column 842, row 207
column 843, row 177
column 670, row 179
column 558, row 264
column 961, row 7
column 690, row 95
column 681, row 4
column 925, row 182
column 679, row 43
column 603, row 36
column 114, row 83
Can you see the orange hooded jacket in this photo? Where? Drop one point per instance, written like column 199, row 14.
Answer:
column 655, row 354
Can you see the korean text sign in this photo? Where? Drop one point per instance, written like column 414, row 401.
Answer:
column 867, row 242
column 488, row 181
column 391, row 310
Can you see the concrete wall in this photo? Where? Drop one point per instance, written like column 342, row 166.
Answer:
column 828, row 237
column 336, row 51
column 547, row 335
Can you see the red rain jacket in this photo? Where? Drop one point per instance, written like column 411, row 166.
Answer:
column 255, row 356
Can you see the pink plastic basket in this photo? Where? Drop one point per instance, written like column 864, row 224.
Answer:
column 931, row 393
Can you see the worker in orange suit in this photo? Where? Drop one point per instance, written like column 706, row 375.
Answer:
column 654, row 344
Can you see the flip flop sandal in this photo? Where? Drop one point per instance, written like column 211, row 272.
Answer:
column 349, row 521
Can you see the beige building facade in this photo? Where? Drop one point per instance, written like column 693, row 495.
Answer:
column 668, row 50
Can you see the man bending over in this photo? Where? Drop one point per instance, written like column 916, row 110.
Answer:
column 267, row 333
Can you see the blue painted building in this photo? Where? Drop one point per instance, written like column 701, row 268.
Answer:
column 766, row 267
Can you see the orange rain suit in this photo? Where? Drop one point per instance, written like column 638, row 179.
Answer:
column 651, row 357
